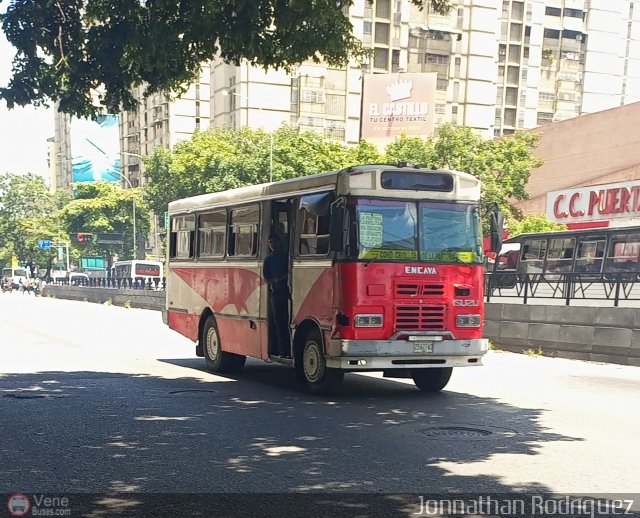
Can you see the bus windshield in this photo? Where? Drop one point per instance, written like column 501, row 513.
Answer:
column 413, row 231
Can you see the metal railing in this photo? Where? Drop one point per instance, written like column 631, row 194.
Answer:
column 126, row 283
column 568, row 287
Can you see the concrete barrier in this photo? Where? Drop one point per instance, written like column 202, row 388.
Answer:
column 145, row 299
column 585, row 333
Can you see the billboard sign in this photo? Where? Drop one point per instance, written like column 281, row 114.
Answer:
column 595, row 203
column 95, row 149
column 393, row 104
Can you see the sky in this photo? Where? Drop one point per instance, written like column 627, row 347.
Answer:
column 23, row 131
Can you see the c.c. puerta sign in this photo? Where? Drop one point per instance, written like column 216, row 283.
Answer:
column 595, row 203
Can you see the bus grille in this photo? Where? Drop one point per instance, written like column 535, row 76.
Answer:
column 420, row 318
column 415, row 290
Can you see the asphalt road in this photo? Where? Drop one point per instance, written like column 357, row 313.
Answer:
column 102, row 399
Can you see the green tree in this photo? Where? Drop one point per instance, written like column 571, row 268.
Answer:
column 28, row 212
column 415, row 150
column 104, row 207
column 74, row 50
column 533, row 224
column 221, row 159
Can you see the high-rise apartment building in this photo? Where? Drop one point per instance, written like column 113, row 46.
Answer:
column 502, row 65
column 563, row 58
column 161, row 120
column 461, row 48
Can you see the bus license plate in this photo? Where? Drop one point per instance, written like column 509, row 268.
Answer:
column 422, row 347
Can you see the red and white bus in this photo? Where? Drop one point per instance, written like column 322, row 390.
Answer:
column 385, row 273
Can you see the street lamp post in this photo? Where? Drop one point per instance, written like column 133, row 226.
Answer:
column 229, row 92
column 135, row 248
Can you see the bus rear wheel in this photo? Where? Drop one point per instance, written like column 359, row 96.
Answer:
column 431, row 380
column 312, row 366
column 218, row 360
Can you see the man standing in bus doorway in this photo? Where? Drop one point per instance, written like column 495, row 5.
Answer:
column 275, row 271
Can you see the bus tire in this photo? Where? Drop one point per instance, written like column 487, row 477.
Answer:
column 218, row 360
column 312, row 367
column 431, row 380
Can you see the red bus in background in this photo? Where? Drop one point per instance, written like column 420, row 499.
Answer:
column 385, row 273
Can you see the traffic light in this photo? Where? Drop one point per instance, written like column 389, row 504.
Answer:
column 85, row 237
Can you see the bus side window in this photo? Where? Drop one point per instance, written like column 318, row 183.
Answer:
column 243, row 231
column 182, row 238
column 623, row 253
column 211, row 233
column 314, row 224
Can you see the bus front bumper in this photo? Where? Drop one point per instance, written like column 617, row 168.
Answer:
column 403, row 354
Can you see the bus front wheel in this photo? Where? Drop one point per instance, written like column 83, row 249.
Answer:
column 217, row 359
column 431, row 380
column 312, row 366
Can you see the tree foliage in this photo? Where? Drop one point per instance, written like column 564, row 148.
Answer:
column 27, row 214
column 72, row 50
column 221, row 159
column 104, row 207
column 533, row 224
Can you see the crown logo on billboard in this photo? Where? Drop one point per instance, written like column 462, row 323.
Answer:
column 399, row 90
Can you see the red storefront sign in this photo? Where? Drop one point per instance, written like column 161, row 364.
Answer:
column 595, row 203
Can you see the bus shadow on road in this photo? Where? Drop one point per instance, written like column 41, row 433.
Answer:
column 354, row 386
column 369, row 451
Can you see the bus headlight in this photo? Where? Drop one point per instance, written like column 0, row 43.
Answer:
column 468, row 321
column 369, row 320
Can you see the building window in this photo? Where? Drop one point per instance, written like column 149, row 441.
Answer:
column 552, row 34
column 574, row 13
column 335, row 105
column 517, row 11
column 311, row 96
column 442, row 84
column 544, row 118
column 383, row 8
column 436, row 59
column 381, row 58
column 553, row 11
column 440, row 108
column 366, row 27
column 382, row 33
column 515, row 33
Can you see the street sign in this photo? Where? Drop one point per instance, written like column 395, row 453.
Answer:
column 109, row 239
column 44, row 244
column 166, row 219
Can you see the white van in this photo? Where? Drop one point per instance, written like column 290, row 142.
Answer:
column 15, row 274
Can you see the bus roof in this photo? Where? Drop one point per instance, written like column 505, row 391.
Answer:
column 303, row 184
column 586, row 232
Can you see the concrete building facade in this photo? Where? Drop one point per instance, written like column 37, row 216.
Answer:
column 460, row 48
column 592, row 153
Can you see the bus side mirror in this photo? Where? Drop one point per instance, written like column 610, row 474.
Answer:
column 496, row 218
column 336, row 229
